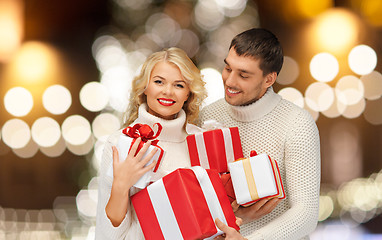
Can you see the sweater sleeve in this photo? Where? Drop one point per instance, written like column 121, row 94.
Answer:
column 302, row 183
column 104, row 228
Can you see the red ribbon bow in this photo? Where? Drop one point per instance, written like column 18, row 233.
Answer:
column 146, row 133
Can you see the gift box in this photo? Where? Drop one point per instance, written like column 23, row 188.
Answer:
column 126, row 141
column 214, row 149
column 184, row 205
column 256, row 178
column 227, row 183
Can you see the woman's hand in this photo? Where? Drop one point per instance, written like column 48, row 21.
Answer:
column 125, row 175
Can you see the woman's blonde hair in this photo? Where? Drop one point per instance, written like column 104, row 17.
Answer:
column 190, row 73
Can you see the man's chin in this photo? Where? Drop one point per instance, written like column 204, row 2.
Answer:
column 231, row 101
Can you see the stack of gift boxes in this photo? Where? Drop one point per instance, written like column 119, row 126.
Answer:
column 185, row 203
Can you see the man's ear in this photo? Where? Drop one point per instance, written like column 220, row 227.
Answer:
column 270, row 79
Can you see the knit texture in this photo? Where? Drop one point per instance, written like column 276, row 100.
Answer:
column 172, row 140
column 289, row 135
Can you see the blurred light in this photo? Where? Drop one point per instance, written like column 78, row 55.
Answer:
column 46, row 132
column 108, row 53
column 336, row 30
column 56, row 150
column 86, row 206
column 370, row 9
column 289, row 71
column 18, row 101
column 188, row 41
column 324, row 67
column 349, row 90
column 293, row 95
column 81, row 149
column 362, row 59
column 373, row 113
column 373, row 85
column 319, row 96
column 310, row 9
column 56, row 99
column 355, row 110
column 28, row 151
column 105, row 124
column 231, row 8
column 98, row 152
column 134, row 4
column 162, row 26
column 335, row 109
column 16, row 133
column 35, row 61
column 76, row 130
column 345, row 152
column 94, row 96
column 118, row 82
column 11, row 27
column 326, row 208
column 214, row 85
column 206, row 16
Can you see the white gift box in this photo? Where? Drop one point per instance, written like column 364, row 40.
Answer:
column 255, row 178
column 123, row 146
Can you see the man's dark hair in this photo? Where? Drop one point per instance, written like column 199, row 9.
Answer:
column 260, row 44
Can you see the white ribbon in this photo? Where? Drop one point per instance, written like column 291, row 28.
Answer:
column 202, row 151
column 165, row 214
column 163, row 211
column 228, row 145
column 211, row 197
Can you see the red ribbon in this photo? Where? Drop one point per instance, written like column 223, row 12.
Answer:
column 146, row 133
column 253, row 153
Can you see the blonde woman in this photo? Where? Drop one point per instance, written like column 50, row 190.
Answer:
column 169, row 91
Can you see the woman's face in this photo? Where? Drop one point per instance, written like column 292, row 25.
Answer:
column 167, row 91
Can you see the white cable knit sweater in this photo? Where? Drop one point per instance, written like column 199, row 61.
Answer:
column 289, row 135
column 172, row 140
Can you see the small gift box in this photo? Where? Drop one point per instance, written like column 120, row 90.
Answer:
column 126, row 141
column 256, row 178
column 184, row 205
column 214, row 149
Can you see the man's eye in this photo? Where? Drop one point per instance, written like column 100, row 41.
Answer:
column 242, row 76
column 228, row 69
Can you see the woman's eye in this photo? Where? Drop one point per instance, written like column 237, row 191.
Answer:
column 158, row 81
column 179, row 86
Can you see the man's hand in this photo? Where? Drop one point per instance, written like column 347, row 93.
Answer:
column 229, row 233
column 256, row 210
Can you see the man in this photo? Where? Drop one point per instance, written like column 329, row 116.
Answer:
column 269, row 124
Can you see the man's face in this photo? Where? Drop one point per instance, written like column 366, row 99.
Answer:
column 243, row 79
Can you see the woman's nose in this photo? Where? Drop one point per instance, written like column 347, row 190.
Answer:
column 168, row 89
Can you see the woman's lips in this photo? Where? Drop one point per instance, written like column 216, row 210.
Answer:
column 166, row 102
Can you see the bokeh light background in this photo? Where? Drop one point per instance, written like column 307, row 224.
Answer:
column 62, row 96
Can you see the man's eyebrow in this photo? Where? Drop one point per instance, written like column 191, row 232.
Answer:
column 241, row 70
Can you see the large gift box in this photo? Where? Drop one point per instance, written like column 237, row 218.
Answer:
column 126, row 141
column 214, row 149
column 256, row 178
column 184, row 205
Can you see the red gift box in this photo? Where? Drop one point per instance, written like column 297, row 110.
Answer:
column 214, row 149
column 183, row 205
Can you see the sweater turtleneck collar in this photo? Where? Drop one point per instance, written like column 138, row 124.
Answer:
column 257, row 109
column 172, row 130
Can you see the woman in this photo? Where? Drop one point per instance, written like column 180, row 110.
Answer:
column 169, row 91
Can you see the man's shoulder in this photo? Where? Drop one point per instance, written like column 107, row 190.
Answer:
column 214, row 106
